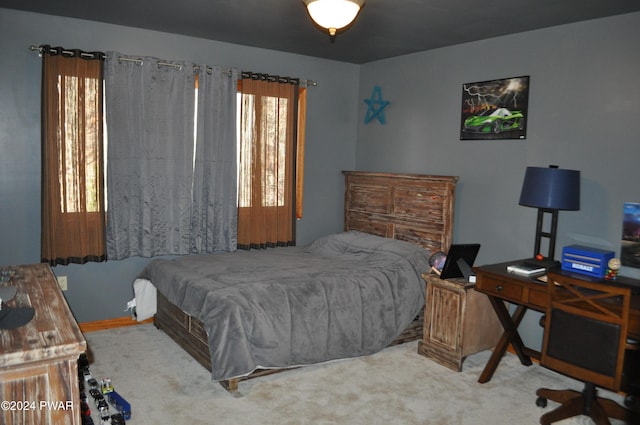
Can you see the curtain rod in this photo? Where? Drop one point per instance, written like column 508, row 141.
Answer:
column 245, row 74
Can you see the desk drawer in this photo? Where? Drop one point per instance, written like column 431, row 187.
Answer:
column 499, row 288
column 538, row 298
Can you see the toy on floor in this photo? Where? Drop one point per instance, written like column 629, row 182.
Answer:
column 105, row 398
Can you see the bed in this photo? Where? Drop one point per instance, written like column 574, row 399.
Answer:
column 295, row 306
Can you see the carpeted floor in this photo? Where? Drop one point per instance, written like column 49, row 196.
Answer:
column 396, row 386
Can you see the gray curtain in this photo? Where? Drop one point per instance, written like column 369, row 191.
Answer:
column 160, row 200
column 150, row 123
column 214, row 220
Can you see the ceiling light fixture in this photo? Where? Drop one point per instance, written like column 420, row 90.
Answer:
column 333, row 15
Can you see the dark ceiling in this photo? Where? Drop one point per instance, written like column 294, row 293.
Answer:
column 384, row 28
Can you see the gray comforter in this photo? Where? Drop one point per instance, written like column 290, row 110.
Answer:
column 344, row 295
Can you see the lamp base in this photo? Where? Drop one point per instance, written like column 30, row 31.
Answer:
column 550, row 235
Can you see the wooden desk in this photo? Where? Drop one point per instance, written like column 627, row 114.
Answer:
column 526, row 293
column 39, row 361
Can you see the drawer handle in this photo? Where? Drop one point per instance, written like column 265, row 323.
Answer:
column 499, row 288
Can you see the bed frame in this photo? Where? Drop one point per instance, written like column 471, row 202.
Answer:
column 409, row 207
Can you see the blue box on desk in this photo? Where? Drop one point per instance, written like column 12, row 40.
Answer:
column 586, row 260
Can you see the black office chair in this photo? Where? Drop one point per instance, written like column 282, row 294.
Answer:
column 586, row 338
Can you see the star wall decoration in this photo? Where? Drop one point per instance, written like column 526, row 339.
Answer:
column 376, row 106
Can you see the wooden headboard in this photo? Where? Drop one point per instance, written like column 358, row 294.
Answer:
column 410, row 207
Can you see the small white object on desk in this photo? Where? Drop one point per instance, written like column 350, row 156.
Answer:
column 526, row 269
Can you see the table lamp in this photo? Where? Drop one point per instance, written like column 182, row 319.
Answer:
column 550, row 190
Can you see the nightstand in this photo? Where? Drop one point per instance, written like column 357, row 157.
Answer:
column 458, row 321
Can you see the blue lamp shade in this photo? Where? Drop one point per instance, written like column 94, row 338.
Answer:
column 551, row 188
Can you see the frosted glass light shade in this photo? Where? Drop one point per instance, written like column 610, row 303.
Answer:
column 333, row 14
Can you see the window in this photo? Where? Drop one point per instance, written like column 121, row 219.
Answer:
column 72, row 158
column 269, row 175
column 268, row 163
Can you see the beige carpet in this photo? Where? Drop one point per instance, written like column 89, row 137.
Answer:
column 396, row 386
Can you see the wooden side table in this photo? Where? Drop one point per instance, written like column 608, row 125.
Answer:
column 39, row 361
column 458, row 321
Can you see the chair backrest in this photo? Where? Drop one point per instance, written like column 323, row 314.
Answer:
column 586, row 330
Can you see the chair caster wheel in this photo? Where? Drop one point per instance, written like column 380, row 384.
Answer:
column 541, row 402
column 629, row 401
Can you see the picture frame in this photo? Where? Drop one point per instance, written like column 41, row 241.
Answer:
column 465, row 253
column 630, row 243
column 495, row 109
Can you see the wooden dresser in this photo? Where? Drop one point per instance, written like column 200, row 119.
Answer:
column 410, row 207
column 458, row 321
column 39, row 361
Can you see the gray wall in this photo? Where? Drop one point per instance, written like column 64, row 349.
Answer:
column 100, row 291
column 584, row 102
column 583, row 109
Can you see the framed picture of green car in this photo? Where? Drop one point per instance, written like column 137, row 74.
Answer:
column 495, row 109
